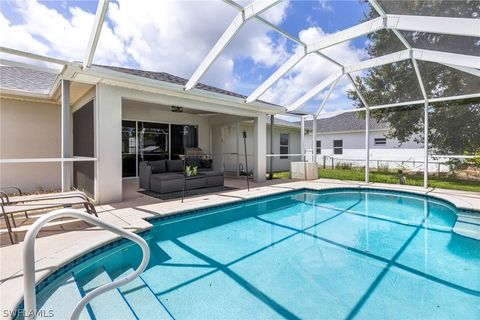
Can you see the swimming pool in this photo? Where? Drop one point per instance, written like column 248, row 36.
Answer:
column 335, row 254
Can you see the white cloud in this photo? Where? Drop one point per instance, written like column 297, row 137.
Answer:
column 66, row 38
column 175, row 36
column 325, row 5
column 312, row 70
column 18, row 37
column 169, row 36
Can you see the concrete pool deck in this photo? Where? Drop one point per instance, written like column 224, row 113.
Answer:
column 64, row 241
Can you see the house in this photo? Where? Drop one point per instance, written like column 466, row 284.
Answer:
column 342, row 137
column 89, row 128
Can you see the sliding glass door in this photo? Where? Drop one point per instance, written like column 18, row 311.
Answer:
column 153, row 141
column 149, row 141
column 191, row 139
column 129, row 148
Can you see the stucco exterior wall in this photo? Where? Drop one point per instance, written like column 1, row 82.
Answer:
column 30, row 130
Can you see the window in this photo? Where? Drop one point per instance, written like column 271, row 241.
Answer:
column 319, row 147
column 284, row 139
column 380, row 141
column 337, row 146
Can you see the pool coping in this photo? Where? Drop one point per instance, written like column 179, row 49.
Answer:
column 55, row 261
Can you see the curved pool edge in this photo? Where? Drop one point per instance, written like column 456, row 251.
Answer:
column 101, row 245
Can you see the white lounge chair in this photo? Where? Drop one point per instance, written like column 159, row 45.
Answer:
column 10, row 205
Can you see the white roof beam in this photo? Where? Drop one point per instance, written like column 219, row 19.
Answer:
column 382, row 13
column 253, row 9
column 472, row 71
column 377, row 7
column 347, row 34
column 313, row 92
column 280, row 31
column 419, row 79
column 360, row 95
column 32, row 56
column 394, row 22
column 406, row 103
column 379, row 61
column 96, row 30
column 295, row 39
column 444, row 25
column 277, row 75
column 447, row 58
column 324, row 102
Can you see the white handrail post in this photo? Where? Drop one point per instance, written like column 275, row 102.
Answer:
column 425, row 129
column 314, row 138
column 30, row 304
column 302, row 138
column 367, row 144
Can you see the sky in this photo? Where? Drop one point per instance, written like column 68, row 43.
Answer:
column 175, row 36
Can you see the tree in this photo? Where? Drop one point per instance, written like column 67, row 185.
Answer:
column 454, row 126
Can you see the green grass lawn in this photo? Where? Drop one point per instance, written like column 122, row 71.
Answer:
column 415, row 179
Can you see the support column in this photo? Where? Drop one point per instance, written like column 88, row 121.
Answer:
column 314, row 138
column 108, row 108
column 237, row 138
column 259, row 148
column 367, row 145
column 425, row 134
column 272, row 122
column 302, row 138
column 66, row 141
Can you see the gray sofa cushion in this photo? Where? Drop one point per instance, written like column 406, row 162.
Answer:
column 167, row 176
column 210, row 173
column 174, row 165
column 158, row 166
column 193, row 162
column 166, row 182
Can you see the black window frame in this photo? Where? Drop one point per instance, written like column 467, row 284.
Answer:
column 318, row 146
column 283, row 146
column 376, row 141
column 337, row 149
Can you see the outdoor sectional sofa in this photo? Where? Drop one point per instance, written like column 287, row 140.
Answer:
column 164, row 176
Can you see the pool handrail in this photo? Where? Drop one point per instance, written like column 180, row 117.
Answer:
column 30, row 302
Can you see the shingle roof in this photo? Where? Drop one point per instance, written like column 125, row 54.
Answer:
column 40, row 82
column 350, row 121
column 15, row 78
column 283, row 122
column 163, row 76
column 167, row 77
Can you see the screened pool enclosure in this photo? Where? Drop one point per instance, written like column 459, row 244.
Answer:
column 419, row 70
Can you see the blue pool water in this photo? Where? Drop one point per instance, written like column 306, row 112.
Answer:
column 340, row 254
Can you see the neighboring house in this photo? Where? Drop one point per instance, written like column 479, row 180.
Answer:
column 343, row 137
column 89, row 128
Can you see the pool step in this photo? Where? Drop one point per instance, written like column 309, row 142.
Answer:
column 140, row 297
column 108, row 305
column 61, row 300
